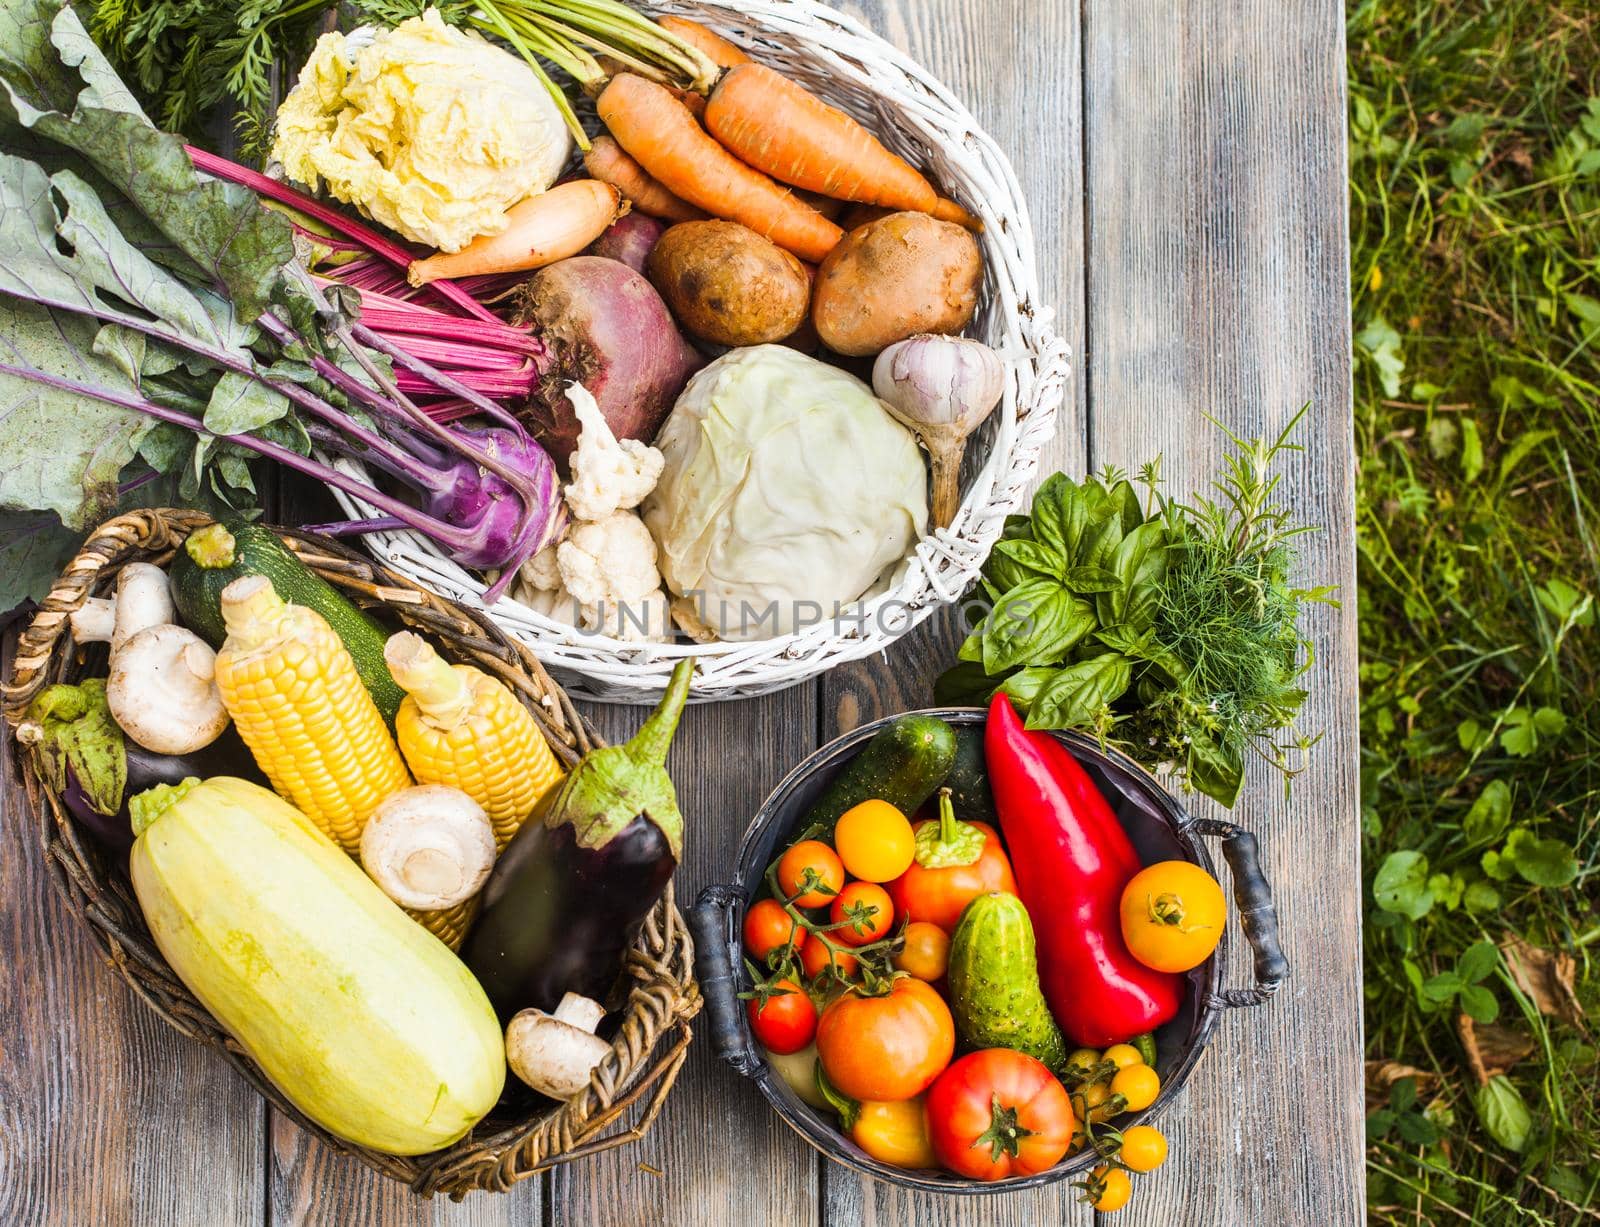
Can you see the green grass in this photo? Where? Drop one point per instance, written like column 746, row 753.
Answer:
column 1475, row 228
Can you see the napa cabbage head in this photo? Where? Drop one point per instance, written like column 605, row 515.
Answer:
column 430, row 130
column 788, row 491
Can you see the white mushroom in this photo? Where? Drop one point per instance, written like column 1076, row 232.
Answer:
column 556, row 1053
column 428, row 847
column 162, row 690
column 143, row 600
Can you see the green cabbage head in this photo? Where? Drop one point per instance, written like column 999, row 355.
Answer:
column 788, row 492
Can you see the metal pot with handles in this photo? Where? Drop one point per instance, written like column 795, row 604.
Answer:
column 1160, row 828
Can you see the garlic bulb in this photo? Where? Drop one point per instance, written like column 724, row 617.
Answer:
column 941, row 388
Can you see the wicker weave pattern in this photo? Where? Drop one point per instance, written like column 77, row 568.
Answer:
column 916, row 116
column 662, row 995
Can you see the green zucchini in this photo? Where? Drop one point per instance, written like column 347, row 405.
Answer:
column 902, row 764
column 995, row 996
column 215, row 556
column 968, row 780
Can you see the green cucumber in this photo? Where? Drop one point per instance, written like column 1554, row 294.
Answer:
column 994, row 982
column 968, row 780
column 902, row 764
column 215, row 556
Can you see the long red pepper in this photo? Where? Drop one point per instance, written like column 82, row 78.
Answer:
column 1072, row 859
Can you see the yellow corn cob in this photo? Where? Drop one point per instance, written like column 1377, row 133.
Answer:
column 296, row 699
column 461, row 727
column 449, row 924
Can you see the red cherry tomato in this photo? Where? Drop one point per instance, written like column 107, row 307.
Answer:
column 814, row 959
column 867, row 909
column 810, row 874
column 786, row 1021
column 767, row 927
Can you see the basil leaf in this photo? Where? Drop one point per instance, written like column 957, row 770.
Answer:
column 1088, row 580
column 1059, row 514
column 1215, row 768
column 1076, row 694
column 1503, row 1113
column 1097, row 547
column 1031, row 556
column 1035, row 621
column 963, row 685
column 1025, row 684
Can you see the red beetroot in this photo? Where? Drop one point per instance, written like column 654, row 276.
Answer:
column 629, row 239
column 608, row 329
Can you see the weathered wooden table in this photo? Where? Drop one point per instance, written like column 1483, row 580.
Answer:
column 1185, row 162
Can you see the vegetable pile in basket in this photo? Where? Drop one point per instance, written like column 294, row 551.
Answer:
column 413, row 299
column 980, row 990
column 303, row 798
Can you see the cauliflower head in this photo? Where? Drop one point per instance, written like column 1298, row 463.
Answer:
column 607, row 475
column 432, row 131
column 609, row 568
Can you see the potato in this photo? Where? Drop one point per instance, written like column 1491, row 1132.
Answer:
column 894, row 278
column 727, row 284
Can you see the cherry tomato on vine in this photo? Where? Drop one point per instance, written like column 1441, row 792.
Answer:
column 786, row 1020
column 1138, row 1085
column 853, row 904
column 767, row 927
column 875, row 841
column 1172, row 915
column 926, row 953
column 1122, row 1055
column 1108, row 1189
column 814, row 959
column 1143, row 1148
column 827, row 874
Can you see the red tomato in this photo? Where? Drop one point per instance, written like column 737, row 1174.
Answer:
column 814, row 959
column 767, row 927
column 785, row 1021
column 998, row 1113
column 887, row 1047
column 861, row 897
column 825, row 870
column 938, row 895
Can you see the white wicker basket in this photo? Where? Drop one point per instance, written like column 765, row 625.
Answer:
column 854, row 69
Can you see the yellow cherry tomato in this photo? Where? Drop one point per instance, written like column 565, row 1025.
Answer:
column 1122, row 1055
column 1091, row 1102
column 1138, row 1085
column 1109, row 1189
column 926, row 954
column 895, row 1132
column 1172, row 915
column 1083, row 1060
column 875, row 842
column 1143, row 1148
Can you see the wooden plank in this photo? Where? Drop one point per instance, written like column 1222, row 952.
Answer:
column 1217, row 278
column 108, row 1115
column 1016, row 64
column 717, row 1154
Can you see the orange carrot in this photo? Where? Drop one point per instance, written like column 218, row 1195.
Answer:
column 608, row 162
column 947, row 210
column 542, row 229
column 712, row 45
column 779, row 127
column 672, row 148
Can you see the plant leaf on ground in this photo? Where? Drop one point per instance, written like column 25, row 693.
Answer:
column 1475, row 234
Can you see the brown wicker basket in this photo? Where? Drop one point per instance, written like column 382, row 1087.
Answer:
column 629, row 1085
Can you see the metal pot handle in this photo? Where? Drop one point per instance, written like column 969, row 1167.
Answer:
column 1258, row 916
column 715, row 948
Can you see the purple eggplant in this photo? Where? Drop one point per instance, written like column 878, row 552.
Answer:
column 571, row 889
column 87, row 759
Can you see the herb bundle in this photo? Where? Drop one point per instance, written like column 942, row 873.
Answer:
column 1170, row 630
